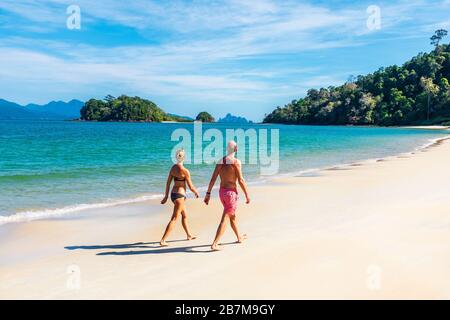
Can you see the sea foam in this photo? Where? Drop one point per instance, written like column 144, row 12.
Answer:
column 30, row 215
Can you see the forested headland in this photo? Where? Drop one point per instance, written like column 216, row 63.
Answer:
column 418, row 92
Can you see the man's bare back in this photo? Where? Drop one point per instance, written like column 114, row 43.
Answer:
column 228, row 173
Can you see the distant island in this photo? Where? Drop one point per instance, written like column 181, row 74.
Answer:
column 185, row 118
column 416, row 93
column 125, row 108
column 229, row 118
column 205, row 117
column 122, row 108
column 55, row 110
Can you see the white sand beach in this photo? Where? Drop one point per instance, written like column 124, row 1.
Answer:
column 373, row 230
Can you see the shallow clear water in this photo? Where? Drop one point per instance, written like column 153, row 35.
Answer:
column 52, row 164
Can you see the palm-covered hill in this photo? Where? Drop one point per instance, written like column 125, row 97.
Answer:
column 125, row 108
column 418, row 92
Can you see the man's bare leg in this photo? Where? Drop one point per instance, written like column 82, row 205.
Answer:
column 233, row 223
column 176, row 212
column 184, row 222
column 220, row 231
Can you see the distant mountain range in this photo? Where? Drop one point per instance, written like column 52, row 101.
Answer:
column 229, row 118
column 55, row 110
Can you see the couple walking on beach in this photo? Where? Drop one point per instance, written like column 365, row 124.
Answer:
column 229, row 169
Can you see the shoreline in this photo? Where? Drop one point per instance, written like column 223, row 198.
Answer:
column 55, row 213
column 432, row 127
column 340, row 225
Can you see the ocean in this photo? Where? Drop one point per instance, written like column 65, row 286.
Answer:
column 50, row 168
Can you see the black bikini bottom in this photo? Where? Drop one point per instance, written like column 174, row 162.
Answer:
column 174, row 196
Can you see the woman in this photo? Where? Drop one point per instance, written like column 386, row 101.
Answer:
column 181, row 176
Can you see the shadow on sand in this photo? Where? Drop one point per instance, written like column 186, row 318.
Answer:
column 120, row 246
column 154, row 247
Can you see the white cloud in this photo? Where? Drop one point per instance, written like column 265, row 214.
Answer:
column 187, row 67
column 202, row 50
column 45, row 71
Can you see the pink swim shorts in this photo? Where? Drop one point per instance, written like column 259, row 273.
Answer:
column 229, row 198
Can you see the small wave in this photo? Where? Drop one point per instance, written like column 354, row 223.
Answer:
column 429, row 143
column 30, row 215
column 432, row 142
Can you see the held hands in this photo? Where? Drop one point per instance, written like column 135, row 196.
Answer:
column 205, row 200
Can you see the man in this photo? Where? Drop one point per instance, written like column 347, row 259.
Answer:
column 230, row 171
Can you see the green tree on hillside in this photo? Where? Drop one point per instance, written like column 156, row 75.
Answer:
column 438, row 36
column 431, row 89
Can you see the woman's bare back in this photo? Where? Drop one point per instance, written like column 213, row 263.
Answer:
column 179, row 179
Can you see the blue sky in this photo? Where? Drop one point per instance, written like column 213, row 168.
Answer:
column 244, row 57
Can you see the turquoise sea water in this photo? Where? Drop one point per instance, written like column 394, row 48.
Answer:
column 51, row 167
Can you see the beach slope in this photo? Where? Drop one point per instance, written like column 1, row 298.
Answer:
column 371, row 230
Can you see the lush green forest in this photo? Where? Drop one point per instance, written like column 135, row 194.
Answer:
column 125, row 108
column 418, row 92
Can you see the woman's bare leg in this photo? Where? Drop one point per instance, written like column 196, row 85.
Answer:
column 220, row 231
column 176, row 212
column 185, row 224
column 233, row 223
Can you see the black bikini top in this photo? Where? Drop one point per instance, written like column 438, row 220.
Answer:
column 179, row 179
